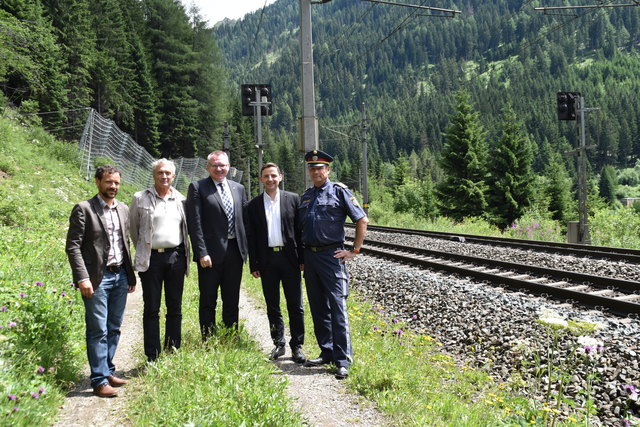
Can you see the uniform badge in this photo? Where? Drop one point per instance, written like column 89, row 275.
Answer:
column 354, row 201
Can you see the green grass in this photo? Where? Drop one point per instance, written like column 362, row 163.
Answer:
column 225, row 381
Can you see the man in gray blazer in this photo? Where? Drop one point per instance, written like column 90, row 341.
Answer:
column 98, row 250
column 159, row 234
column 215, row 208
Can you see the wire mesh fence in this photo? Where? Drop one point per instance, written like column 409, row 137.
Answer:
column 102, row 141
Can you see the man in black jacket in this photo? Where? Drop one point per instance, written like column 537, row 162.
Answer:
column 275, row 255
column 215, row 208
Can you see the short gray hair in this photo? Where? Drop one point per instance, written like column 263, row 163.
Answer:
column 163, row 161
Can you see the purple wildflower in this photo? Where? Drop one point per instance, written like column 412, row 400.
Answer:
column 394, row 320
column 12, row 397
column 4, row 308
column 41, row 390
column 35, row 395
column 12, row 324
column 41, row 369
column 16, row 409
column 414, row 317
column 39, row 284
column 63, row 294
column 629, row 388
column 22, row 295
column 375, row 328
column 626, row 423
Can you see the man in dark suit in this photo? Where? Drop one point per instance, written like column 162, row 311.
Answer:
column 98, row 250
column 215, row 222
column 275, row 254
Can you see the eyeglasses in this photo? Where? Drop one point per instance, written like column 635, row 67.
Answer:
column 218, row 165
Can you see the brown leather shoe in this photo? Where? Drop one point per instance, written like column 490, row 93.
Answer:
column 105, row 390
column 115, row 381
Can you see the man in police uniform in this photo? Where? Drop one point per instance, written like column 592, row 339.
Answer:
column 323, row 210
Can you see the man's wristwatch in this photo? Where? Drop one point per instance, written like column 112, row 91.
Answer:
column 355, row 251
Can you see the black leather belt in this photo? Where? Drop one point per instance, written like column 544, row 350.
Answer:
column 114, row 268
column 162, row 250
column 324, row 248
column 277, row 248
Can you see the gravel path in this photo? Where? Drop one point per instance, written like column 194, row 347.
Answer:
column 321, row 398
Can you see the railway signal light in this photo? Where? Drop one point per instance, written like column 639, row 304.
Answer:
column 567, row 105
column 248, row 98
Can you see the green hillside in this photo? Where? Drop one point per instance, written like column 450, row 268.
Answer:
column 406, row 68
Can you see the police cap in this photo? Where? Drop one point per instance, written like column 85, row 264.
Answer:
column 317, row 158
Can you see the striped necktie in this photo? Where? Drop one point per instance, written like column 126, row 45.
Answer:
column 228, row 209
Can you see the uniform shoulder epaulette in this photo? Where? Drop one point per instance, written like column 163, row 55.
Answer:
column 339, row 184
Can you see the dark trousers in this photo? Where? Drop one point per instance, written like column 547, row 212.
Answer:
column 168, row 268
column 226, row 276
column 327, row 289
column 278, row 268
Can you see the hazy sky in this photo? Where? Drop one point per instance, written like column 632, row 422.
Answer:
column 216, row 10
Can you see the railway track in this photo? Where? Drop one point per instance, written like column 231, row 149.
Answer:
column 595, row 252
column 613, row 295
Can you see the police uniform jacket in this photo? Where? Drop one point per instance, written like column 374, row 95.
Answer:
column 323, row 211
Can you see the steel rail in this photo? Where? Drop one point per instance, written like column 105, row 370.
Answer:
column 597, row 252
column 618, row 306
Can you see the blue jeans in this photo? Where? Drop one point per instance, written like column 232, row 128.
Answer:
column 104, row 312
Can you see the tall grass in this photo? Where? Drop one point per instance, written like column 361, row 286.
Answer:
column 41, row 325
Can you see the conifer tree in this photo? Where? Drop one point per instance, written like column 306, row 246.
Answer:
column 462, row 193
column 170, row 41
column 511, row 172
column 76, row 39
column 558, row 189
column 608, row 184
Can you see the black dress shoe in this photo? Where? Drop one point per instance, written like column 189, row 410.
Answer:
column 297, row 355
column 342, row 373
column 318, row 361
column 277, row 352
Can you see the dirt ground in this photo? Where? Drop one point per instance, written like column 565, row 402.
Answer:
column 323, row 400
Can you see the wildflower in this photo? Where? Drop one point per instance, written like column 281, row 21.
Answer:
column 16, row 409
column 12, row 397
column 22, row 295
column 41, row 390
column 35, row 395
column 399, row 332
column 39, row 284
column 12, row 324
column 414, row 317
column 553, row 319
column 394, row 320
column 41, row 369
column 3, row 308
column 63, row 294
column 631, row 391
column 590, row 346
column 375, row 328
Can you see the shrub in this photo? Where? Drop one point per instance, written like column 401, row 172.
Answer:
column 615, row 227
column 535, row 226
